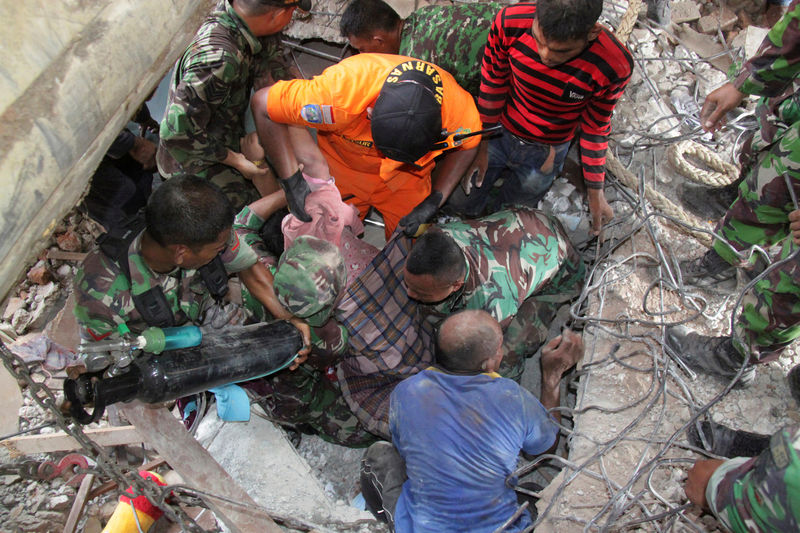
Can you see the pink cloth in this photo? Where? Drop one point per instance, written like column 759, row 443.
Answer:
column 336, row 222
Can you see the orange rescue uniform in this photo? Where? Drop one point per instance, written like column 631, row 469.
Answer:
column 335, row 104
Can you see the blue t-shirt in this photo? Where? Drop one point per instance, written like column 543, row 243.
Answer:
column 460, row 437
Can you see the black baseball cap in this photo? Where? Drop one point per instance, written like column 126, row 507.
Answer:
column 407, row 117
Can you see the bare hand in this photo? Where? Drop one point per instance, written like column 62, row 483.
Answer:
column 794, row 219
column 599, row 209
column 697, row 482
column 144, row 152
column 561, row 354
column 251, row 148
column 305, row 332
column 717, row 104
column 477, row 170
column 250, row 170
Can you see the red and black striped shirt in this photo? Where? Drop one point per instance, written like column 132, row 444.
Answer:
column 547, row 104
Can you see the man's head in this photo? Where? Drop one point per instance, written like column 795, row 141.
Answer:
column 469, row 342
column 371, row 26
column 563, row 28
column 310, row 278
column 267, row 17
column 434, row 268
column 192, row 218
column 406, row 121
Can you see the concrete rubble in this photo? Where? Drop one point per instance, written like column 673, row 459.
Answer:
column 627, row 453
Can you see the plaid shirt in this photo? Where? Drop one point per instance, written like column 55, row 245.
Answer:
column 390, row 337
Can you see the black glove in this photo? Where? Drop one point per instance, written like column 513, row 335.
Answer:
column 421, row 214
column 296, row 190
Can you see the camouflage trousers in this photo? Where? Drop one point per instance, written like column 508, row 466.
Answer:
column 530, row 326
column 762, row 493
column 307, row 400
column 240, row 191
column 770, row 317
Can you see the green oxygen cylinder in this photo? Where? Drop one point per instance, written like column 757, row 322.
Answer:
column 157, row 340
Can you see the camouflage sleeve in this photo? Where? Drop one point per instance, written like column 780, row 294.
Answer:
column 777, row 62
column 238, row 255
column 763, row 493
column 269, row 66
column 331, row 338
column 102, row 298
column 201, row 87
column 248, row 226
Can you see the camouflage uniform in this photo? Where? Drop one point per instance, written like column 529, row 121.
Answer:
column 310, row 281
column 770, row 319
column 521, row 267
column 452, row 37
column 103, row 295
column 208, row 98
column 762, row 493
column 248, row 226
column 302, row 397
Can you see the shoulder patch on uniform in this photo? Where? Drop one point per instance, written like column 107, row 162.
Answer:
column 317, row 114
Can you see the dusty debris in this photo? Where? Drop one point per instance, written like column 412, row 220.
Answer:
column 686, row 11
column 670, row 80
column 723, row 20
column 69, row 241
column 39, row 273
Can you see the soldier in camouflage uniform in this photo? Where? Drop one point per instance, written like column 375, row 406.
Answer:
column 188, row 222
column 516, row 264
column 450, row 36
column 757, row 494
column 235, row 49
column 310, row 282
column 770, row 319
column 166, row 255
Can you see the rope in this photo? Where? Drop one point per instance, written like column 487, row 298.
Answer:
column 658, row 200
column 626, row 177
column 628, row 20
column 722, row 174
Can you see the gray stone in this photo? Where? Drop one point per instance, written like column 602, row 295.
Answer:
column 63, row 271
column 12, row 306
column 9, row 479
column 58, row 503
column 685, row 12
column 724, row 19
column 750, row 39
column 20, row 321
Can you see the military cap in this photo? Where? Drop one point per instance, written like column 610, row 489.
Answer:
column 310, row 277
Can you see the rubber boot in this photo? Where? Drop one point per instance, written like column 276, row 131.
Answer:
column 727, row 442
column 716, row 356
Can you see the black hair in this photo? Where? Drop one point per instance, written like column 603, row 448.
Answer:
column 474, row 339
column 437, row 254
column 362, row 17
column 259, row 7
column 188, row 210
column 271, row 233
column 567, row 20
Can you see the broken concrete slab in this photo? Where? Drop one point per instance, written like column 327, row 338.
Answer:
column 63, row 329
column 704, row 46
column 265, row 463
column 686, row 11
column 12, row 306
column 10, row 402
column 194, row 464
column 724, row 20
column 749, row 39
